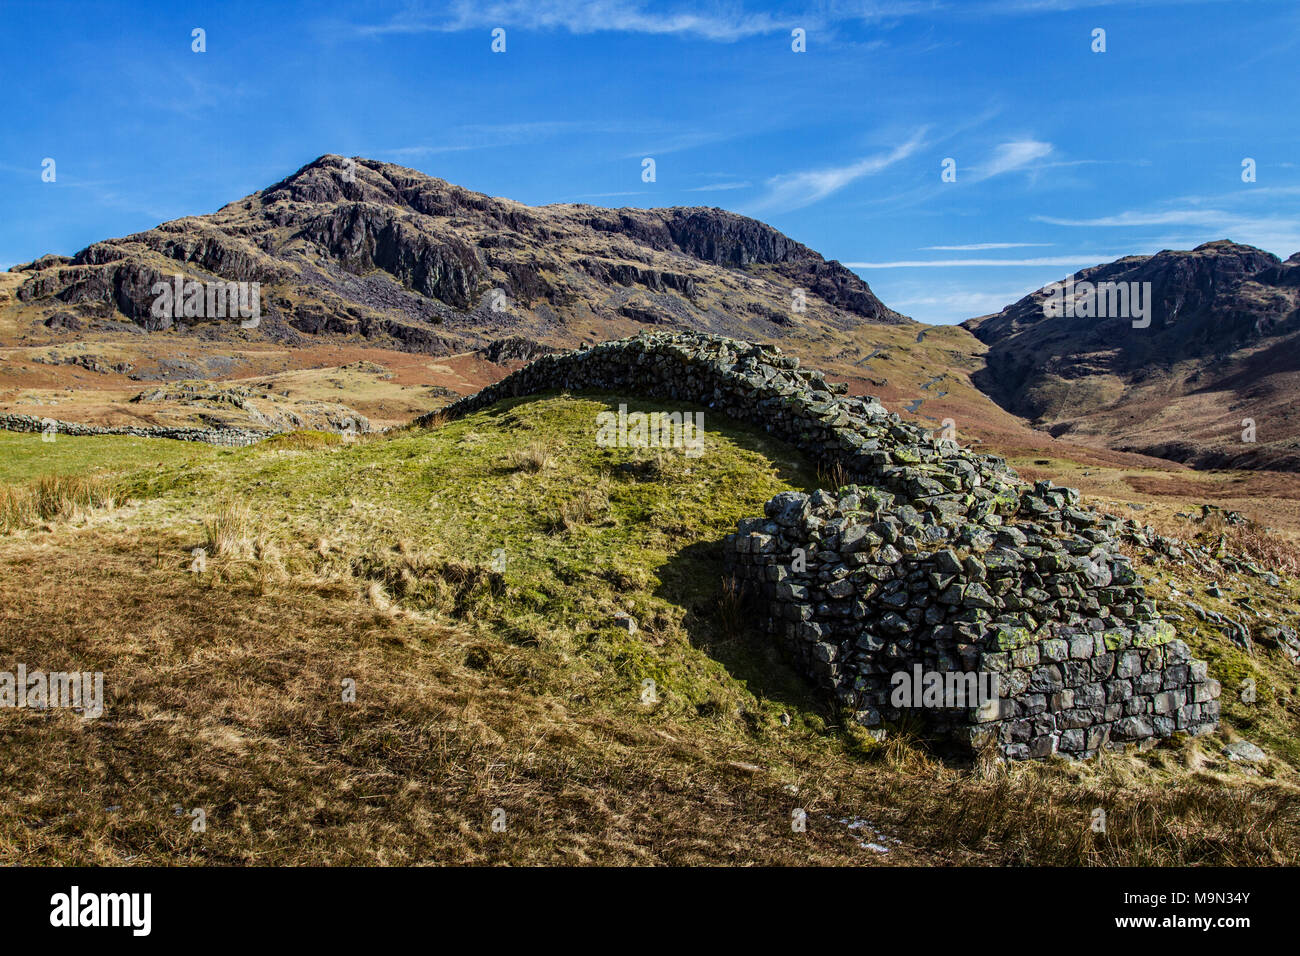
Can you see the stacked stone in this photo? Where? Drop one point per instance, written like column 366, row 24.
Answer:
column 760, row 385
column 934, row 556
column 862, row 586
column 232, row 437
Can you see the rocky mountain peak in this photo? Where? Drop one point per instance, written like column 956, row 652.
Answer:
column 356, row 247
column 1223, row 316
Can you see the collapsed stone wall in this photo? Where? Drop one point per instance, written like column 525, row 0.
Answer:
column 927, row 555
column 1082, row 660
column 232, row 437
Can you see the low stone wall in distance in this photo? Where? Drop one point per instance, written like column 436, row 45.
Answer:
column 234, row 437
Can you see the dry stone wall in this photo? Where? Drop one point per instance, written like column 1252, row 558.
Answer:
column 928, row 560
column 233, row 437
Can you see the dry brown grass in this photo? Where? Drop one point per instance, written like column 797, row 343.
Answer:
column 1273, row 550
column 232, row 701
column 731, row 612
column 423, row 582
column 1038, row 815
column 533, row 458
column 305, row 440
column 579, row 509
column 272, row 571
column 229, row 532
column 832, row 477
column 436, row 420
column 1270, row 550
column 52, row 498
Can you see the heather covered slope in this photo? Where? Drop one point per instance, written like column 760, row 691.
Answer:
column 1222, row 346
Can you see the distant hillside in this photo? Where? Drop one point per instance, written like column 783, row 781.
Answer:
column 366, row 265
column 1220, row 345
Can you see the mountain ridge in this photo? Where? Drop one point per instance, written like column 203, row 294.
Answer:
column 355, row 246
column 1220, row 348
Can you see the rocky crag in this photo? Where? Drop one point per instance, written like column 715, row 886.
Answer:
column 359, row 249
column 927, row 556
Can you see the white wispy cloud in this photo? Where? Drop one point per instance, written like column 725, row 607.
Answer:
column 676, row 141
column 1090, row 258
column 1008, row 157
column 1173, row 217
column 629, row 192
column 959, row 304
column 1016, row 7
column 796, row 190
column 405, row 152
column 625, row 16
column 985, row 246
column 659, row 137
column 721, row 22
column 493, row 135
column 1278, row 234
column 715, row 187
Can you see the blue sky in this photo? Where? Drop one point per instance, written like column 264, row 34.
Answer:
column 1064, row 157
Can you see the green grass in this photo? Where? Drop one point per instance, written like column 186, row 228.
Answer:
column 1271, row 718
column 24, row 456
column 303, row 440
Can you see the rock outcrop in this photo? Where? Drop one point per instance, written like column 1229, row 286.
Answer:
column 927, row 560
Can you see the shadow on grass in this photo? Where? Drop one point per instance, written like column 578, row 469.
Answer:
column 694, row 579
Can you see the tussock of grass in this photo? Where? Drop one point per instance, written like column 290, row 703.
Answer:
column 423, row 582
column 732, row 610
column 228, row 533
column 54, row 497
column 833, row 477
column 436, row 420
column 585, row 506
column 533, row 458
